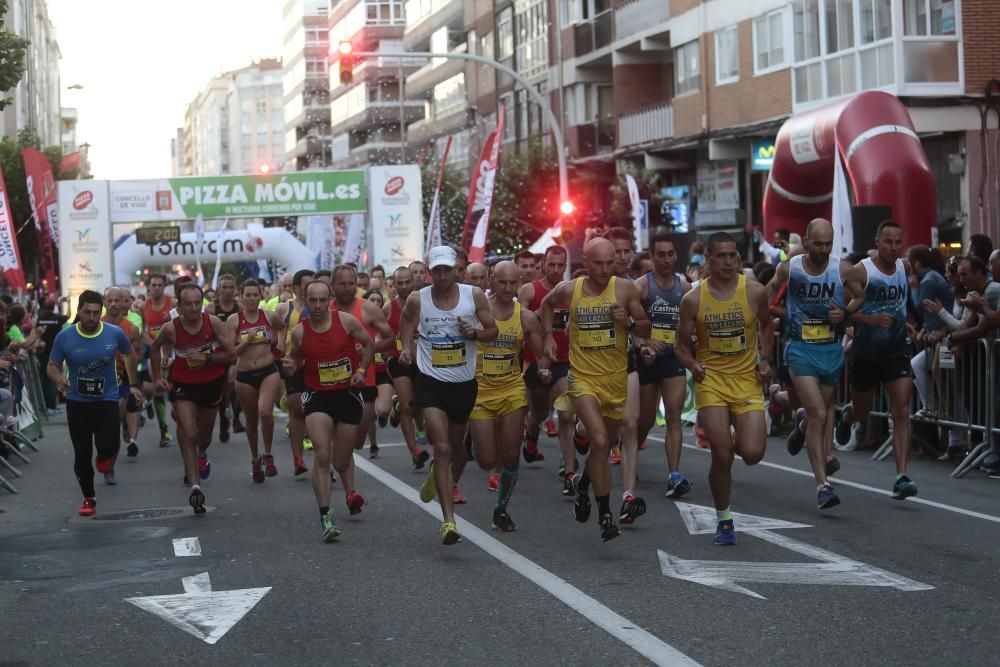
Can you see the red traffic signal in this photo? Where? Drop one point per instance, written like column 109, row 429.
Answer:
column 566, row 208
column 346, row 62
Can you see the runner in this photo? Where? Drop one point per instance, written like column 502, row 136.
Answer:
column 156, row 313
column 92, row 394
column 226, row 305
column 419, row 272
column 202, row 349
column 729, row 315
column 403, row 376
column 258, row 335
column 476, row 274
column 291, row 312
column 383, row 402
column 497, row 420
column 128, row 408
column 881, row 350
column 600, row 307
column 526, row 265
column 445, row 315
column 660, row 372
column 541, row 395
column 324, row 350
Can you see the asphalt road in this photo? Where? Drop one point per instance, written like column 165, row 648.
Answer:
column 551, row 593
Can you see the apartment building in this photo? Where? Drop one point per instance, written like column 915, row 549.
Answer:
column 35, row 101
column 697, row 89
column 306, row 84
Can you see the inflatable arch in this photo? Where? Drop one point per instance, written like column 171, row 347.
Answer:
column 883, row 158
column 237, row 246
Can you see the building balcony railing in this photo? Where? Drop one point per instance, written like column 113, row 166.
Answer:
column 649, row 124
column 593, row 35
column 595, row 138
column 435, row 71
column 418, row 11
column 639, row 15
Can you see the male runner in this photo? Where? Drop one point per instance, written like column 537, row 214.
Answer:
column 91, row 391
column 660, row 372
column 128, row 407
column 477, row 274
column 602, row 310
column 225, row 305
column 291, row 312
column 497, row 420
column 419, row 272
column 156, row 313
column 202, row 348
column 729, row 315
column 445, row 315
column 627, row 448
column 526, row 265
column 403, row 376
column 325, row 350
column 880, row 353
column 814, row 326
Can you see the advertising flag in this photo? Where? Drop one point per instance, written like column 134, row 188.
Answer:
column 477, row 217
column 10, row 256
column 218, row 254
column 42, row 197
column 843, row 230
column 434, row 222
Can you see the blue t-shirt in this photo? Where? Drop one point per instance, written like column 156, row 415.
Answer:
column 91, row 361
column 934, row 286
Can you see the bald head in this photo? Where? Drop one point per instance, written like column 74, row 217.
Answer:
column 995, row 263
column 598, row 247
column 506, row 280
column 600, row 256
column 114, row 301
column 819, row 228
column 819, row 241
column 476, row 274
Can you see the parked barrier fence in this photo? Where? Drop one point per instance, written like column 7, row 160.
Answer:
column 26, row 385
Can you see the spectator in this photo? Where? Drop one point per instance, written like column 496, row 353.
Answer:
column 981, row 246
column 53, row 323
column 933, row 287
column 697, row 253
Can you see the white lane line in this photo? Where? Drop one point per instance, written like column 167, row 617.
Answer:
column 187, row 546
column 840, row 481
column 644, row 643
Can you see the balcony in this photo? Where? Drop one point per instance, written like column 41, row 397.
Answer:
column 648, row 17
column 593, row 35
column 646, row 125
column 378, row 113
column 425, row 16
column 435, row 72
column 431, row 128
column 593, row 138
column 308, row 145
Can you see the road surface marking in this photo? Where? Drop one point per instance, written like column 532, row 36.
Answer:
column 833, row 570
column 840, row 481
column 644, row 643
column 187, row 546
column 200, row 611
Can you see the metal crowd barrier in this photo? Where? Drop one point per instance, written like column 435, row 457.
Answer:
column 30, row 409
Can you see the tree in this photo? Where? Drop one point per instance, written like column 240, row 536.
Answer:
column 12, row 53
column 453, row 200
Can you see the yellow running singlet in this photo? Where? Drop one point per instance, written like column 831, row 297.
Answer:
column 498, row 363
column 597, row 344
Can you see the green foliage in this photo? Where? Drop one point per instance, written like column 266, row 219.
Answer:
column 12, row 53
column 526, row 199
column 453, row 202
column 648, row 183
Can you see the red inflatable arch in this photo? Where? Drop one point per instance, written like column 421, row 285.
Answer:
column 883, row 159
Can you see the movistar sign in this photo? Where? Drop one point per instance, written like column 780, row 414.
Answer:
column 762, row 154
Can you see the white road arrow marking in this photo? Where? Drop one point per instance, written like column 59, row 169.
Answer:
column 833, row 570
column 187, row 546
column 200, row 611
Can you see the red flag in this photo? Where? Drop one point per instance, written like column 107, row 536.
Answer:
column 42, row 196
column 10, row 256
column 477, row 217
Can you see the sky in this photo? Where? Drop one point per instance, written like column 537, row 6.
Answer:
column 141, row 62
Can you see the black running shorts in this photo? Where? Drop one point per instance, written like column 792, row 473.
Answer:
column 344, row 406
column 455, row 399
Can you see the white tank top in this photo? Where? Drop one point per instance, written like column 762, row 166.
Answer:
column 443, row 352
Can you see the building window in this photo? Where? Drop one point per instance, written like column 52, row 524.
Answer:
column 486, row 45
column 449, row 96
column 509, row 120
column 876, row 20
column 727, row 56
column 805, row 23
column 385, row 12
column 531, row 23
column 769, row 41
column 687, row 68
column 505, row 34
column 839, row 25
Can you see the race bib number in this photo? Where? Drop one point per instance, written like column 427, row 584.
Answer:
column 727, row 342
column 817, row 331
column 154, row 332
column 498, row 365
column 560, row 319
column 198, row 363
column 379, row 359
column 255, row 336
column 664, row 334
column 335, row 372
column 90, row 387
column 447, row 355
column 597, row 336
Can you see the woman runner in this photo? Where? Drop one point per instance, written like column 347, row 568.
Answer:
column 383, row 402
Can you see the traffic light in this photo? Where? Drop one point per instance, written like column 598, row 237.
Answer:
column 346, row 60
column 566, row 208
column 264, row 168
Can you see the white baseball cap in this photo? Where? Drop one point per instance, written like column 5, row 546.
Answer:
column 441, row 255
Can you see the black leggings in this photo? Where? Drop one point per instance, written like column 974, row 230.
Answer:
column 91, row 425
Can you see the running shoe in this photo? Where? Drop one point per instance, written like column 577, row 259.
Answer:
column 449, row 533
column 204, row 465
column 421, row 437
column 110, row 479
column 355, row 501
column 224, row 425
column 581, row 443
column 725, row 534
column 852, row 440
column 609, row 530
column 677, row 485
column 165, row 436
column 797, row 438
column 616, row 456
column 551, row 429
column 105, row 465
column 150, row 414
column 329, row 526
column 300, row 467
column 88, row 508
column 373, row 451
column 493, row 483
column 903, row 488
column 420, row 458
column 502, row 521
column 642, row 446
column 197, row 499
column 632, row 509
column 142, row 420
column 307, row 444
column 827, row 497
column 832, row 466
column 845, row 425
column 456, row 496
column 531, row 452
column 568, row 489
column 429, row 489
column 238, row 426
column 581, row 508
column 257, row 471
column 269, row 468
column 394, row 416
